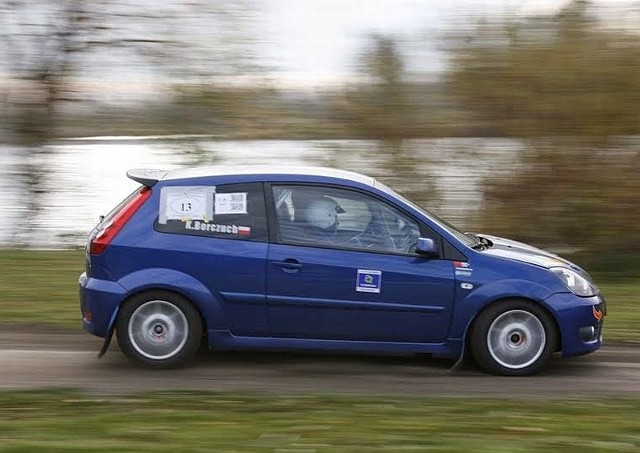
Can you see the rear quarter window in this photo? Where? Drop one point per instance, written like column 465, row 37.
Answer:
column 229, row 211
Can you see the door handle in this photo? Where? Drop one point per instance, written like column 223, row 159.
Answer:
column 289, row 265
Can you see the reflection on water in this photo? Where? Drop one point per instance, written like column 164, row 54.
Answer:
column 86, row 178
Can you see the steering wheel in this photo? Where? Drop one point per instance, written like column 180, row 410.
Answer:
column 373, row 236
column 407, row 241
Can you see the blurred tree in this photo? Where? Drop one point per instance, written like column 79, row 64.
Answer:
column 385, row 107
column 56, row 52
column 571, row 89
column 541, row 77
column 570, row 194
column 38, row 48
column 379, row 107
column 51, row 51
column 39, row 43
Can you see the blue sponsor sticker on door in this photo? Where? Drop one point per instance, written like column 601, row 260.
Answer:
column 368, row 281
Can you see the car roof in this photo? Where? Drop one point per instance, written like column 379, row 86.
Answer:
column 267, row 170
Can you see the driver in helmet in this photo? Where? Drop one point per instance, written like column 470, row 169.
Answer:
column 321, row 217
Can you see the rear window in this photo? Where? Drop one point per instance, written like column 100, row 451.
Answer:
column 229, row 211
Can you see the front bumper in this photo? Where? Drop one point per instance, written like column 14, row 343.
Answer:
column 580, row 321
column 99, row 300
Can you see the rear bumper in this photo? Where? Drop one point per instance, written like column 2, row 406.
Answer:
column 580, row 321
column 99, row 300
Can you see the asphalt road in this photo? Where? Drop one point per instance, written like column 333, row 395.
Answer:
column 31, row 358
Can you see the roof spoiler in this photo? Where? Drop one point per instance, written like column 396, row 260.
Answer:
column 146, row 176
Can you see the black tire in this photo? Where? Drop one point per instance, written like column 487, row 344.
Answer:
column 159, row 329
column 513, row 338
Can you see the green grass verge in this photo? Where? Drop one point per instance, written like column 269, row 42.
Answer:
column 42, row 287
column 205, row 421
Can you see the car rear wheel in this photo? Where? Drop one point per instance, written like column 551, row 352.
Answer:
column 513, row 338
column 159, row 329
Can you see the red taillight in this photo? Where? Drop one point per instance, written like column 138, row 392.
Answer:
column 110, row 229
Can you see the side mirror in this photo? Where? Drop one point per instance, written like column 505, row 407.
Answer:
column 426, row 246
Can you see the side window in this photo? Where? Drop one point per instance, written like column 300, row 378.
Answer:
column 340, row 218
column 229, row 211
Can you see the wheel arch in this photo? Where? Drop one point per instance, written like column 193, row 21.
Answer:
column 160, row 279
column 174, row 291
column 472, row 322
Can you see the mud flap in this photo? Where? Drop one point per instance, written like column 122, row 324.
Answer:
column 461, row 359
column 109, row 335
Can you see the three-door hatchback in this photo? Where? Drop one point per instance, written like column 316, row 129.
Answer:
column 317, row 258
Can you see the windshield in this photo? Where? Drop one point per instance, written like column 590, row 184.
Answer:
column 462, row 237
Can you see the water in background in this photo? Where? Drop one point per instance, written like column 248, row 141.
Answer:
column 85, row 178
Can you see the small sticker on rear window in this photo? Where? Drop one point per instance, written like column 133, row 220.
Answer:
column 186, row 203
column 231, row 203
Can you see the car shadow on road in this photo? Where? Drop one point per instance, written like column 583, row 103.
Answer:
column 313, row 363
column 301, row 363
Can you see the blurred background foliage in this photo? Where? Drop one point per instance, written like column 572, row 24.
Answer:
column 570, row 90
column 565, row 86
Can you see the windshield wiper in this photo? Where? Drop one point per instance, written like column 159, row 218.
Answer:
column 487, row 243
column 478, row 245
column 481, row 243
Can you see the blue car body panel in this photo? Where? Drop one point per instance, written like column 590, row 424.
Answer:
column 276, row 295
column 320, row 300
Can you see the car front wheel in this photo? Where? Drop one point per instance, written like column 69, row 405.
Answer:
column 513, row 338
column 159, row 329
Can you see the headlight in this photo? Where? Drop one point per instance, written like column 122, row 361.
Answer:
column 578, row 285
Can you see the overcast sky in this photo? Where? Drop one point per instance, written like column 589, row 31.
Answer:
column 316, row 40
column 303, row 43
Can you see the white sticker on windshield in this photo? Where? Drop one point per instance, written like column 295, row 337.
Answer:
column 231, row 203
column 186, row 203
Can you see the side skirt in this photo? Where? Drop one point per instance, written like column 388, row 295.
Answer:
column 219, row 339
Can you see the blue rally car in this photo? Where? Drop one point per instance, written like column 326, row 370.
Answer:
column 324, row 259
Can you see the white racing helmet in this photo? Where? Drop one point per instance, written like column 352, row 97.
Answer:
column 323, row 213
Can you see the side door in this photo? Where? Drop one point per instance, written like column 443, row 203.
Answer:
column 218, row 234
column 342, row 267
